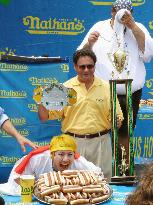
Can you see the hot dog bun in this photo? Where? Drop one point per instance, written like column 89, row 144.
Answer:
column 79, row 201
column 58, row 201
column 71, row 188
column 50, row 190
column 99, row 199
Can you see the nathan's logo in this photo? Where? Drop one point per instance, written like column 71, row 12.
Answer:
column 13, row 67
column 7, row 51
column 26, row 190
column 151, row 25
column 108, row 3
column 146, row 116
column 44, row 143
column 53, row 26
column 65, row 68
column 33, row 107
column 22, row 132
column 42, row 81
column 12, row 94
column 8, row 160
column 149, row 85
column 18, row 121
column 143, row 146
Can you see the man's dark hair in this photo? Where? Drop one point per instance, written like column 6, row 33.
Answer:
column 84, row 52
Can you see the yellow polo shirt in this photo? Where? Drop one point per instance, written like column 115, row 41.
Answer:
column 91, row 113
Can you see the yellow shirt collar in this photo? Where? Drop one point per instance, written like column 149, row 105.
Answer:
column 96, row 82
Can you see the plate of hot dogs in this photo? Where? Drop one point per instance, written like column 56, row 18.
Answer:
column 72, row 187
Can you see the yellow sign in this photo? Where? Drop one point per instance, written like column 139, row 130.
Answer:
column 8, row 160
column 143, row 146
column 109, row 3
column 53, row 26
column 13, row 94
column 13, row 67
column 35, row 81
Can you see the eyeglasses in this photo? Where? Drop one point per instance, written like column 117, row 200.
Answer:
column 88, row 66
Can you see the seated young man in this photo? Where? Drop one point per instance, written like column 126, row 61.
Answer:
column 60, row 155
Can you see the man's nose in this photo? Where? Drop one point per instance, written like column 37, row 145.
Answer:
column 65, row 158
column 86, row 69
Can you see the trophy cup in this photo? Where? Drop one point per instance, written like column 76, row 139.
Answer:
column 55, row 96
column 123, row 154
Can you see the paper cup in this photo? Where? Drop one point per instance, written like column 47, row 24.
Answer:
column 27, row 186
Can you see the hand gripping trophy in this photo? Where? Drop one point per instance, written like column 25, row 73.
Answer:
column 123, row 164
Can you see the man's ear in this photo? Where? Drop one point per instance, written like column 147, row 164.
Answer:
column 52, row 155
column 75, row 66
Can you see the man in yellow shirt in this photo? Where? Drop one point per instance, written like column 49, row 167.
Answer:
column 89, row 119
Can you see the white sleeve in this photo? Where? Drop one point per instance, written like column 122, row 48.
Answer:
column 83, row 164
column 148, row 53
column 3, row 116
column 95, row 27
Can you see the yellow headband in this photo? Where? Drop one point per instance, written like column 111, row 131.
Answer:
column 63, row 142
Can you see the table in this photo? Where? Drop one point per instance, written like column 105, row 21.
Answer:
column 118, row 197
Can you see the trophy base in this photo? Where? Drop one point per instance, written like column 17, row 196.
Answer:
column 121, row 81
column 123, row 180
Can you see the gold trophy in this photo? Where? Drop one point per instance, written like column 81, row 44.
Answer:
column 123, row 154
column 119, row 60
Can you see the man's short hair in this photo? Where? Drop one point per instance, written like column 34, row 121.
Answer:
column 84, row 52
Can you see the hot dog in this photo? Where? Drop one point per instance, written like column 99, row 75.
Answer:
column 99, row 199
column 81, row 178
column 61, row 178
column 58, row 201
column 95, row 180
column 70, row 172
column 56, row 178
column 40, row 181
column 71, row 188
column 75, row 181
column 79, row 201
column 92, row 186
column 50, row 190
column 93, row 190
column 52, row 179
column 86, row 177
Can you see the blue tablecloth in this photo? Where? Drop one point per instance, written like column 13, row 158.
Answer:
column 118, row 197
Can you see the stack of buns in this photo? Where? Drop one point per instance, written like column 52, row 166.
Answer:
column 150, row 102
column 74, row 187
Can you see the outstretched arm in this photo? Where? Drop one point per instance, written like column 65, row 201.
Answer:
column 8, row 127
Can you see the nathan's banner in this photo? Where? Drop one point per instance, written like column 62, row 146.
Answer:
column 143, row 140
column 19, row 77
